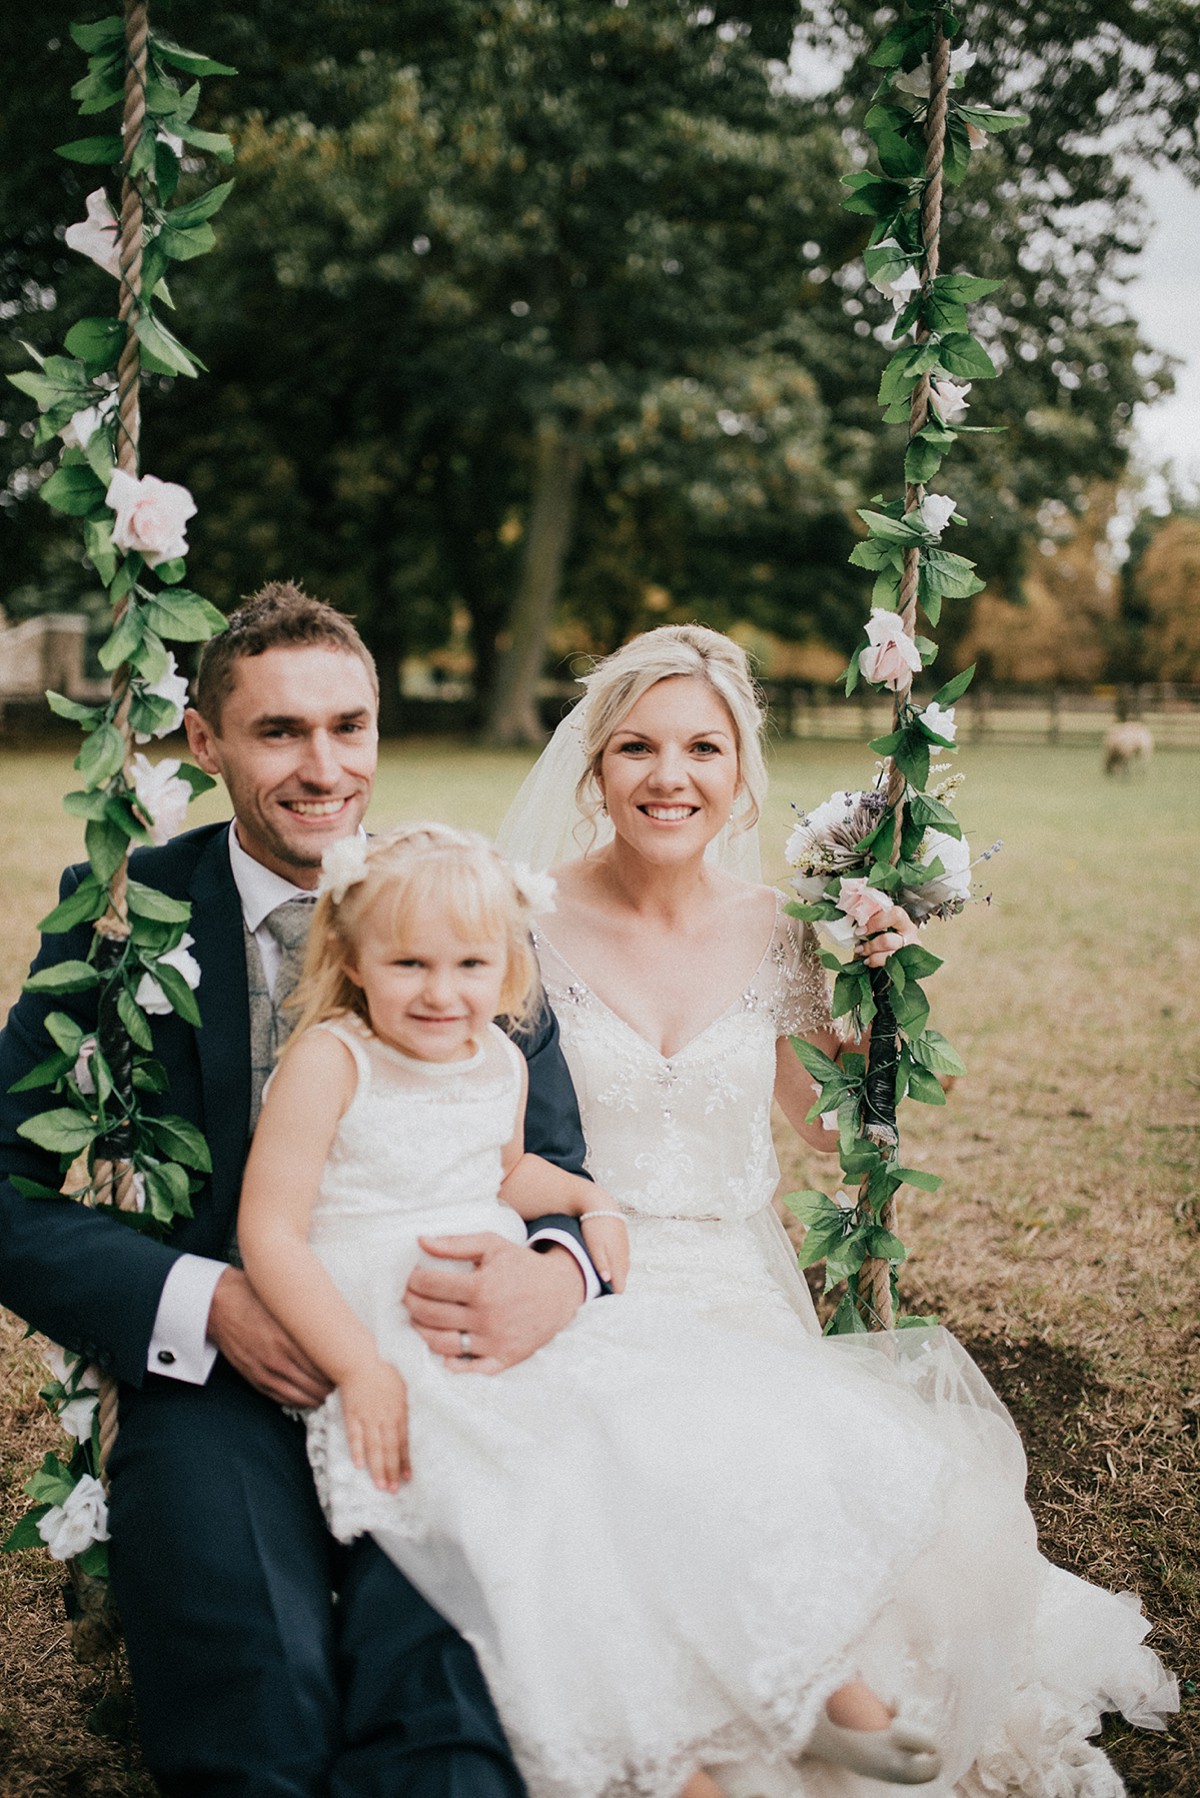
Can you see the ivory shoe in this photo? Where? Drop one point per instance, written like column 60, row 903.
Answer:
column 901, row 1755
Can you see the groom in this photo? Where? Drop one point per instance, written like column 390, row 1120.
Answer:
column 266, row 1659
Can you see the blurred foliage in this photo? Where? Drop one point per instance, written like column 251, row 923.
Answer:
column 456, row 221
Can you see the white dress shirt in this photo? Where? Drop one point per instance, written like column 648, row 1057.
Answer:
column 179, row 1345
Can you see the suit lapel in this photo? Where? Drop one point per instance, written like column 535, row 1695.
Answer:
column 223, row 1041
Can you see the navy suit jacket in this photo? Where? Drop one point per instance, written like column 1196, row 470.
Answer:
column 93, row 1284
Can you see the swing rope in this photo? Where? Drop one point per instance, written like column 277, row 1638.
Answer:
column 875, row 1276
column 113, row 1173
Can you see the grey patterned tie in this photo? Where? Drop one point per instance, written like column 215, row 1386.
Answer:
column 269, row 1030
column 270, row 1026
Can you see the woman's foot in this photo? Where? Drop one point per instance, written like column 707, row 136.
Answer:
column 858, row 1731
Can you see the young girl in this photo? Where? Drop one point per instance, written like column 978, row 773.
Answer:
column 633, row 1556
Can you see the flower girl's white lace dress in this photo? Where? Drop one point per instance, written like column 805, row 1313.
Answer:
column 676, row 1529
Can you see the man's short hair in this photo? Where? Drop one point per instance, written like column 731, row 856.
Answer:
column 279, row 616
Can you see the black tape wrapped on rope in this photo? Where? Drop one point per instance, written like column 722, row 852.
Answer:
column 879, row 1090
column 117, row 1049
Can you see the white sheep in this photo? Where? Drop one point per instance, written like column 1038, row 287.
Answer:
column 1127, row 746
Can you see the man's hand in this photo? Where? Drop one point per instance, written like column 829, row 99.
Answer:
column 260, row 1349
column 500, row 1310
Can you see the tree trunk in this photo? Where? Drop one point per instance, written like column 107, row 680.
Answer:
column 512, row 716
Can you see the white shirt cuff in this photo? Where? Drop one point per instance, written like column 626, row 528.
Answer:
column 179, row 1346
column 564, row 1240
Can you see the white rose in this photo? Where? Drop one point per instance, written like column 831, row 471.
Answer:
column 952, row 886
column 77, row 1414
column 808, row 887
column 535, row 889
column 150, row 516
column 940, row 719
column 161, row 796
column 812, row 826
column 81, row 427
column 151, row 997
column 98, row 234
column 173, row 686
column 948, row 398
column 81, row 1519
column 898, row 288
column 917, row 81
column 935, row 512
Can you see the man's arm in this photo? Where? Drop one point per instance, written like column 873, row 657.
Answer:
column 85, row 1280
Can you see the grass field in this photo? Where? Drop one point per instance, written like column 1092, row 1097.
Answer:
column 1064, row 1247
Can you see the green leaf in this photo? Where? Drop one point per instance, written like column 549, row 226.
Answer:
column 850, row 989
column 102, row 755
column 196, row 778
column 62, row 1132
column 989, row 120
column 814, row 1209
column 925, row 811
column 846, row 1320
column 125, row 641
column 959, row 354
column 97, row 342
column 72, row 489
column 178, row 993
column 106, row 844
column 946, row 575
column 137, row 1025
column 97, row 541
column 818, row 1064
column 183, row 616
column 201, row 208
column 932, row 1051
column 898, row 158
column 884, row 1246
column 166, row 50
column 26, row 1533
column 94, row 1560
column 166, row 173
column 965, row 288
column 184, row 246
column 63, row 977
column 92, row 149
column 148, row 902
column 46, row 1073
column 957, row 153
column 916, row 961
column 925, row 1087
column 167, row 1190
column 86, row 903
column 916, row 1176
column 171, row 573
column 177, row 1138
column 216, row 143
column 892, row 530
column 161, row 351
column 64, row 1032
column 922, row 461
column 126, row 577
column 911, row 1008
column 32, row 1189
column 87, row 715
column 955, row 688
column 877, row 555
column 102, row 34
column 912, row 758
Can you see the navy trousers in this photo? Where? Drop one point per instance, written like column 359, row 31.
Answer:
column 268, row 1661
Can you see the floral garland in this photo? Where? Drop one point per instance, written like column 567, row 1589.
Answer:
column 142, row 1165
column 900, row 843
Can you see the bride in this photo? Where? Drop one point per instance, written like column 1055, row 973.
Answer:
column 677, row 979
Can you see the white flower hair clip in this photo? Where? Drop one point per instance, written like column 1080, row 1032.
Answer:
column 343, row 865
column 535, row 891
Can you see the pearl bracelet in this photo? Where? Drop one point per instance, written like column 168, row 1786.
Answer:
column 584, row 1215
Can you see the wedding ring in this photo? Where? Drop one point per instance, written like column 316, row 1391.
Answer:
column 464, row 1345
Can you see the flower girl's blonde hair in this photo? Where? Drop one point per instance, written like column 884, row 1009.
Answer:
column 456, row 873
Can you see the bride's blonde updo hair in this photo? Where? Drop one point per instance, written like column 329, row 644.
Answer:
column 617, row 683
column 455, row 874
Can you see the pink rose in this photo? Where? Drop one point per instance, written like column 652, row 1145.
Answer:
column 97, row 235
column 948, row 398
column 863, row 904
column 891, row 658
column 151, row 515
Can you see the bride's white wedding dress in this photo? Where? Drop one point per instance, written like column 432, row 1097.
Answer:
column 679, row 1526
